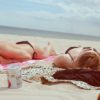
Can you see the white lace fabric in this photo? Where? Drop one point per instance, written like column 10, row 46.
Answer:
column 34, row 71
column 46, row 70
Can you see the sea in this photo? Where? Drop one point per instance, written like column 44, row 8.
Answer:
column 44, row 33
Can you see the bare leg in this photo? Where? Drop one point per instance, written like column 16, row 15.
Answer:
column 44, row 52
column 49, row 50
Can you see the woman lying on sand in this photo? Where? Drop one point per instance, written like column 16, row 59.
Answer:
column 22, row 51
column 79, row 57
column 81, row 64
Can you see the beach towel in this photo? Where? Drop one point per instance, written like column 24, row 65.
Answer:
column 43, row 71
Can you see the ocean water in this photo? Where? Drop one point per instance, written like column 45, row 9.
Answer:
column 42, row 33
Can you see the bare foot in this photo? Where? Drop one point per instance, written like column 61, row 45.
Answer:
column 49, row 50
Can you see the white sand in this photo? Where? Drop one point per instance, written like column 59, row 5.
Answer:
column 37, row 91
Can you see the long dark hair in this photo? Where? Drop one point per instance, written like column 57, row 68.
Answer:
column 89, row 76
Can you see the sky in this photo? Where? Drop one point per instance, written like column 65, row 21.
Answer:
column 69, row 16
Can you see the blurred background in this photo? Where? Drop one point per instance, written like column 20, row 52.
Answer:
column 78, row 19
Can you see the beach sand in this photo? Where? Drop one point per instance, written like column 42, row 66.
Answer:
column 37, row 91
